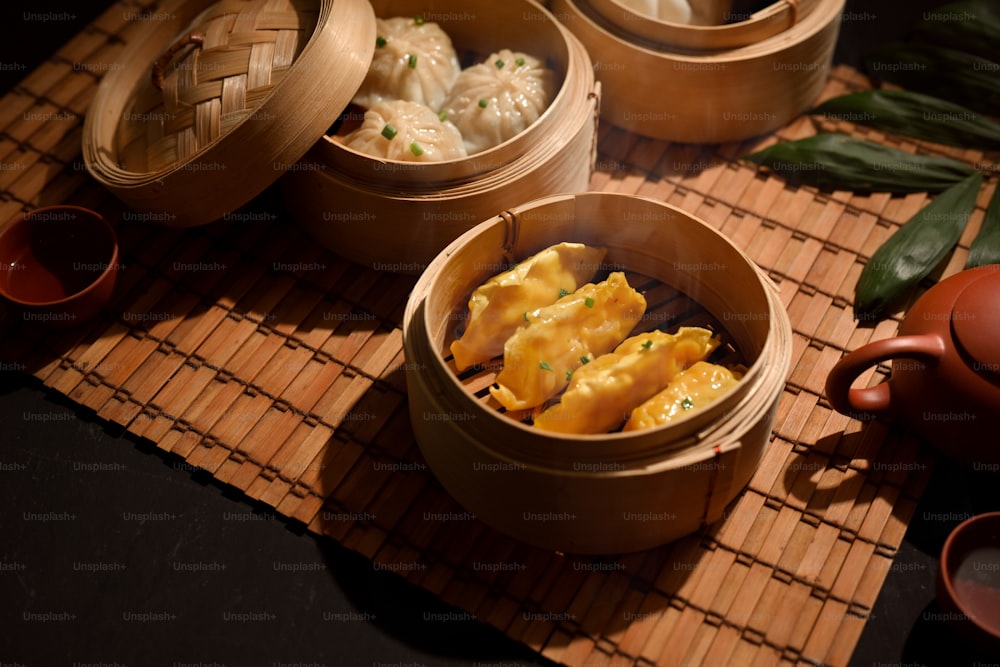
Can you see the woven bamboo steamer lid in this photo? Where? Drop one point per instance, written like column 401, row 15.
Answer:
column 395, row 215
column 214, row 102
column 723, row 27
column 707, row 96
column 593, row 487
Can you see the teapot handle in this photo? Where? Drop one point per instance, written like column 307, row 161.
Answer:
column 874, row 401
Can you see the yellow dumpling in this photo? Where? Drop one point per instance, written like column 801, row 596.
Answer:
column 692, row 390
column 497, row 307
column 557, row 339
column 601, row 394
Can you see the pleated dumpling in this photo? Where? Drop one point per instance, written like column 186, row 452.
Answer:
column 499, row 98
column 690, row 391
column 541, row 356
column 414, row 60
column 498, row 306
column 601, row 394
column 675, row 11
column 407, row 131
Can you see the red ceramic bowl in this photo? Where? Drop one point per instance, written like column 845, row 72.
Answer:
column 968, row 584
column 58, row 264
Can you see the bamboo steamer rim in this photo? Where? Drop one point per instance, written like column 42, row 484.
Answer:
column 758, row 389
column 670, row 35
column 807, row 27
column 274, row 133
column 509, row 158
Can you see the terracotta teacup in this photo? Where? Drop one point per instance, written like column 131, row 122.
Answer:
column 968, row 583
column 58, row 265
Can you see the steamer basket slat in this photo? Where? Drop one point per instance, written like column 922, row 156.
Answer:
column 615, row 492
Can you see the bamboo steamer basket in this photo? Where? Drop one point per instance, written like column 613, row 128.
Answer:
column 397, row 216
column 719, row 25
column 226, row 116
column 609, row 493
column 715, row 83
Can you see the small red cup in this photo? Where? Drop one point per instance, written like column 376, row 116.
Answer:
column 58, row 265
column 968, row 582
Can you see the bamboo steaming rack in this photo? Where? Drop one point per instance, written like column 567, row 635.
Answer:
column 277, row 367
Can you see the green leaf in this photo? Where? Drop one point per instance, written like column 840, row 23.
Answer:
column 914, row 250
column 972, row 26
column 945, row 73
column 837, row 161
column 985, row 248
column 914, row 115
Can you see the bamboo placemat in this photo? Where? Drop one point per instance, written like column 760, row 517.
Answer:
column 278, row 368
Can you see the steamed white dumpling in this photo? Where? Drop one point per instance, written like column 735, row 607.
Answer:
column 407, row 131
column 414, row 60
column 675, row 11
column 497, row 99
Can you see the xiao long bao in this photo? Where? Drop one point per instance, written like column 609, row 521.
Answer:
column 414, row 60
column 678, row 11
column 495, row 100
column 479, row 107
column 409, row 131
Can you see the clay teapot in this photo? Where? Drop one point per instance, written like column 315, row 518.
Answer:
column 945, row 381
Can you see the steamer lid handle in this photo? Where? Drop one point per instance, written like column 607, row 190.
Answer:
column 161, row 63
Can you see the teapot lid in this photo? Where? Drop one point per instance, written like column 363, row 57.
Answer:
column 975, row 322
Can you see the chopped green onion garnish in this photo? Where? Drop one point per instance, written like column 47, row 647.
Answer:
column 388, row 131
column 544, row 365
column 519, row 62
column 483, row 103
column 589, row 303
column 525, row 316
column 648, row 344
column 412, row 62
column 418, row 19
column 569, row 375
column 416, row 149
column 498, row 63
column 563, row 292
column 687, row 403
column 380, row 42
column 443, row 115
column 584, row 360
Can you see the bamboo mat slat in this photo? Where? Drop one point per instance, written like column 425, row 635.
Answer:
column 256, row 355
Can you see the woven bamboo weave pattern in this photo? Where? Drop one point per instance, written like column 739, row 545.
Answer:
column 243, row 51
column 252, row 353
